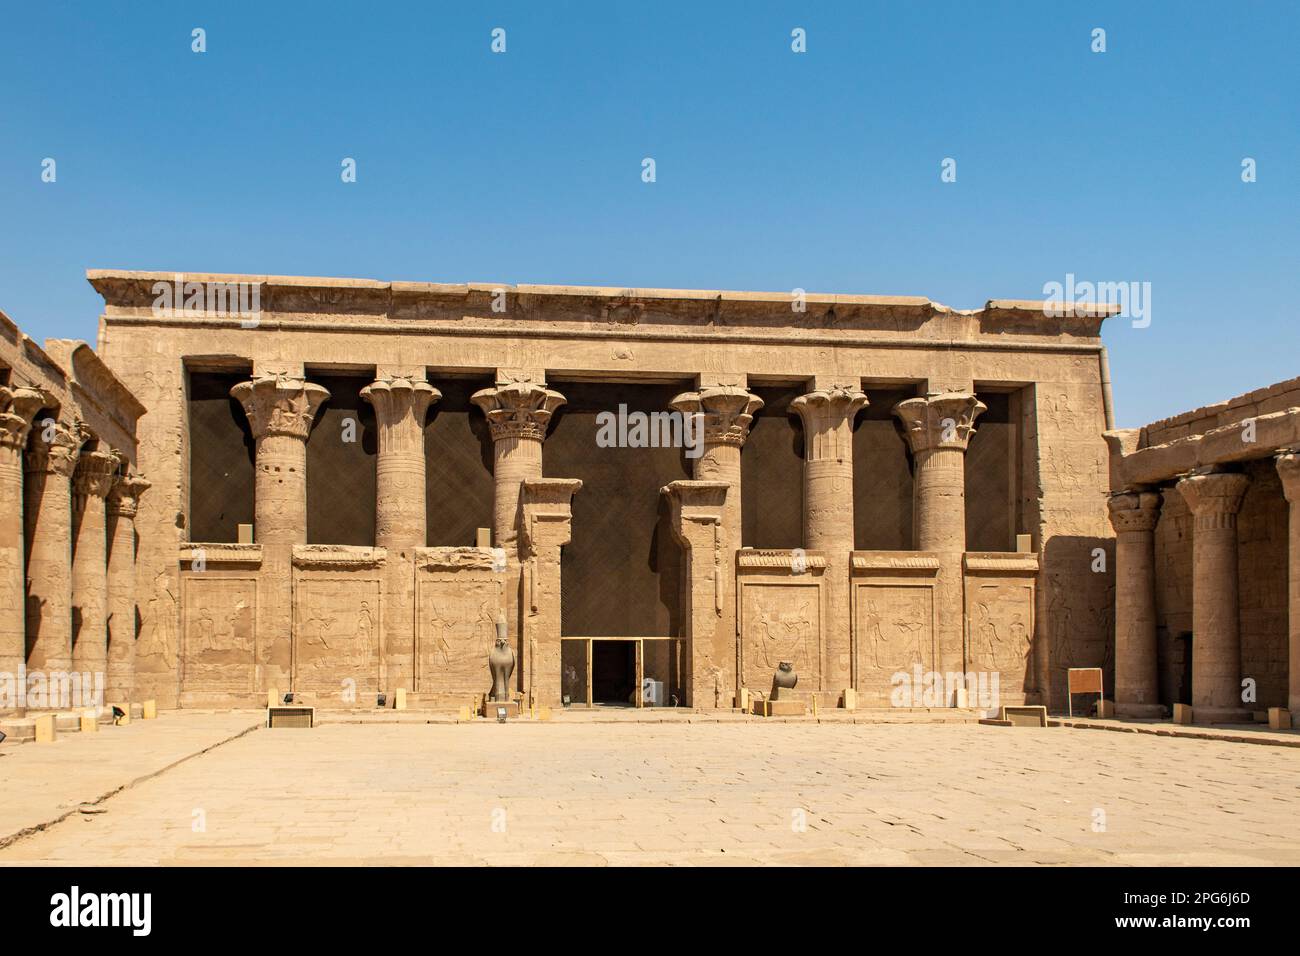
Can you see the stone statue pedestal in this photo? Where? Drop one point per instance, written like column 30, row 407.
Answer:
column 779, row 708
column 489, row 708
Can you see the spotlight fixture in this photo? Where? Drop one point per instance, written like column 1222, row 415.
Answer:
column 118, row 714
column 501, row 715
column 381, row 700
column 288, row 698
column 3, row 735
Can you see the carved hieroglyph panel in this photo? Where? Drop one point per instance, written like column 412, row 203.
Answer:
column 455, row 630
column 1000, row 628
column 893, row 630
column 336, row 625
column 219, row 635
column 780, row 622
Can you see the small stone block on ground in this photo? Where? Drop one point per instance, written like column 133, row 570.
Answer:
column 1030, row 715
column 492, row 708
column 1182, row 713
column 1105, row 709
column 850, row 699
column 1279, row 718
column 45, row 729
column 149, row 710
column 89, row 723
column 399, row 699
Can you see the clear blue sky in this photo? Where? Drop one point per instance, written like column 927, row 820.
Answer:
column 774, row 170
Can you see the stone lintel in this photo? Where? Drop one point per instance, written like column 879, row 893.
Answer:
column 337, row 556
column 216, row 554
column 911, row 562
column 1225, row 444
column 781, row 559
column 1000, row 562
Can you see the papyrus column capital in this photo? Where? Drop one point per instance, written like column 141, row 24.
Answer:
column 56, row 448
column 940, row 420
column 1214, row 498
column 95, row 473
column 1288, row 469
column 18, row 407
column 728, row 411
column 280, row 404
column 1134, row 511
column 396, row 400
column 825, row 410
column 518, row 409
column 124, row 496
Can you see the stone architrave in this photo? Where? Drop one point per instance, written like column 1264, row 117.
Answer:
column 91, row 482
column 938, row 429
column 1214, row 500
column 698, row 521
column 517, row 413
column 827, row 415
column 1134, row 515
column 281, row 409
column 401, row 402
column 725, row 413
column 121, row 507
column 547, row 525
column 52, row 452
column 18, row 405
column 1288, row 467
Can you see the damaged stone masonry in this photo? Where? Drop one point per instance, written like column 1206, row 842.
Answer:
column 346, row 492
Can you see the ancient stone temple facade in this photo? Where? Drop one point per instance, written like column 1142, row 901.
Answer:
column 661, row 495
column 1207, row 601
column 69, row 487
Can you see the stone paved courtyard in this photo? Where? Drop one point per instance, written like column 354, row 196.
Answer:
column 710, row 793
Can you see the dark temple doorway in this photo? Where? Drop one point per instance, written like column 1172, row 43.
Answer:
column 613, row 672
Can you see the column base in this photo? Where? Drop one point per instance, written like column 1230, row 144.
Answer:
column 1220, row 715
column 1143, row 711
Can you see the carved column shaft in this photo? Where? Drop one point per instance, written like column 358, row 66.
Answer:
column 1288, row 467
column 1214, row 500
column 1134, row 516
column 121, row 507
column 938, row 429
column 400, row 407
column 17, row 407
column 280, row 410
column 518, row 414
column 827, row 416
column 48, row 465
column 90, row 485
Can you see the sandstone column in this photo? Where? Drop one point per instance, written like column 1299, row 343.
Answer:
column 121, row 506
column 698, row 525
column 938, row 428
column 517, row 413
column 51, row 457
column 827, row 415
column 280, row 410
column 1134, row 515
column 1214, row 500
column 724, row 412
column 401, row 399
column 400, row 405
column 1288, row 466
column 91, row 482
column 17, row 407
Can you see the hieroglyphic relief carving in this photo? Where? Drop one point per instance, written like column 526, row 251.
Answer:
column 780, row 622
column 218, row 650
column 894, row 632
column 336, row 634
column 1001, row 616
column 455, row 630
